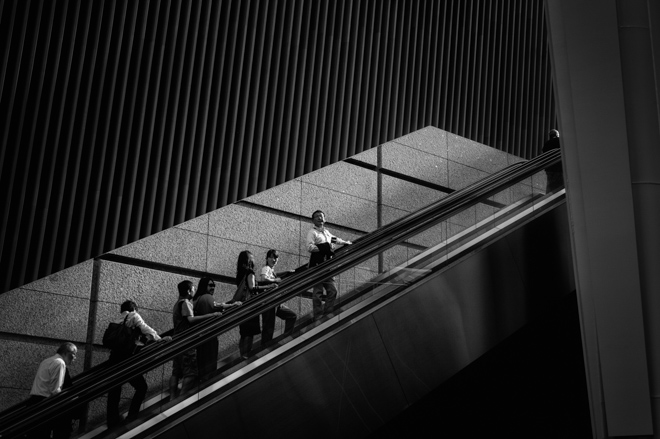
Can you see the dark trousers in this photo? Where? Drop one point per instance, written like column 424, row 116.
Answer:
column 114, row 395
column 318, row 299
column 268, row 322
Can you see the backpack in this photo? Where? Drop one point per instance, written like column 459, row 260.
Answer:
column 119, row 338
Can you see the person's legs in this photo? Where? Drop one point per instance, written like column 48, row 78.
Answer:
column 331, row 295
column 190, row 375
column 267, row 326
column 140, row 386
column 113, row 406
column 42, row 432
column 177, row 373
column 245, row 345
column 289, row 317
column 317, row 301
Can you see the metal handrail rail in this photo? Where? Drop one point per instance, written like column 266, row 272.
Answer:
column 94, row 385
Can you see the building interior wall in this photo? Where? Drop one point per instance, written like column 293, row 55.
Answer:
column 121, row 119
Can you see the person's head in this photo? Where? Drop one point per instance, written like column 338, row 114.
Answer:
column 318, row 218
column 245, row 261
column 271, row 257
column 68, row 351
column 553, row 134
column 129, row 306
column 206, row 286
column 186, row 289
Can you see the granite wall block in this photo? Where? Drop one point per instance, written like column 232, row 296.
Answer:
column 429, row 139
column 44, row 315
column 345, row 178
column 251, row 226
column 175, row 246
column 407, row 196
column 74, row 281
column 151, row 289
column 415, row 163
column 340, row 208
column 285, row 197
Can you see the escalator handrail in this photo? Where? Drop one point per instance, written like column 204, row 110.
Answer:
column 95, row 385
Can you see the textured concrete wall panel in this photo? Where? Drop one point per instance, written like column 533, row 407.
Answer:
column 415, row 163
column 285, row 197
column 74, row 281
column 398, row 193
column 461, row 176
column 369, row 156
column 175, row 246
column 340, row 208
column 249, row 226
column 153, row 289
column 199, row 225
column 476, row 155
column 429, row 139
column 345, row 178
column 44, row 315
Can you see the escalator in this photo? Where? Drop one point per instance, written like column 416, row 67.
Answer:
column 422, row 298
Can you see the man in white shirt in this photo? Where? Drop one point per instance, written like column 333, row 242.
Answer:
column 321, row 244
column 50, row 380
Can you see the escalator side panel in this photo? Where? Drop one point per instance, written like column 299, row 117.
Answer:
column 451, row 319
column 343, row 387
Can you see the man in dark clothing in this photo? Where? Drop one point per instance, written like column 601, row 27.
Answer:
column 554, row 173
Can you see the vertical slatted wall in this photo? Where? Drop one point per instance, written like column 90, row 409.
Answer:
column 121, row 118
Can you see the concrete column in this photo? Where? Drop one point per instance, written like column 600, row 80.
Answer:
column 600, row 143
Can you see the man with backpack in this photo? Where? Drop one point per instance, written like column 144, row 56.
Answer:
column 131, row 320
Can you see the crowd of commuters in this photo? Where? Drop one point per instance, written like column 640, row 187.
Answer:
column 194, row 305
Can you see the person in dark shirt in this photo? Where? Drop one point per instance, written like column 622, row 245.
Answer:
column 554, row 173
column 184, row 367
column 204, row 304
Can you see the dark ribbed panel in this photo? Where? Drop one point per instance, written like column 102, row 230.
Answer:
column 120, row 119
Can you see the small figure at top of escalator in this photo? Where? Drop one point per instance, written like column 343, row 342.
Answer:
column 554, row 173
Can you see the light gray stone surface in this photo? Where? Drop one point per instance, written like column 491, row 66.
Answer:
column 44, row 315
column 345, row 178
column 199, row 225
column 175, row 246
column 476, row 155
column 150, row 289
column 461, row 176
column 407, row 196
column 369, row 156
column 73, row 281
column 415, row 163
column 429, row 139
column 285, row 197
column 339, row 208
column 248, row 226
